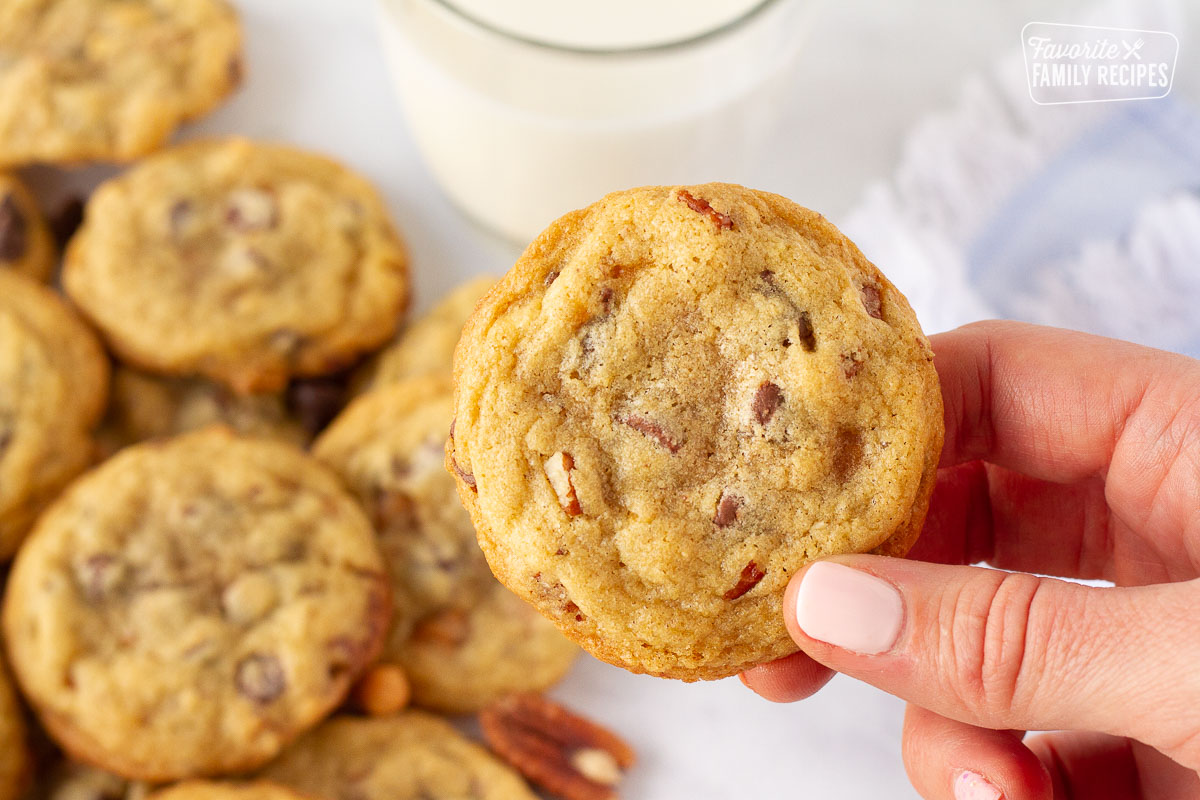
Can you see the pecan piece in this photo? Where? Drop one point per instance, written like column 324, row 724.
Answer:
column 749, row 578
column 558, row 469
column 852, row 363
column 651, row 430
column 701, row 206
column 767, row 399
column 560, row 751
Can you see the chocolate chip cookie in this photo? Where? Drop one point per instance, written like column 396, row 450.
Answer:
column 109, row 80
column 426, row 346
column 145, row 406
column 413, row 756
column 462, row 639
column 15, row 762
column 192, row 605
column 244, row 262
column 674, row 400
column 224, row 790
column 53, row 387
column 25, row 241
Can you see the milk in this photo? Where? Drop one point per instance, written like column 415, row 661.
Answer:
column 519, row 133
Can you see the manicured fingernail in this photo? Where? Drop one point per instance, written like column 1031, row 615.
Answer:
column 973, row 786
column 848, row 608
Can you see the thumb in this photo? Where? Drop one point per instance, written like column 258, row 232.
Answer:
column 1009, row 650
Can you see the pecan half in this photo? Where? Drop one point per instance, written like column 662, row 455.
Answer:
column 701, row 206
column 558, row 469
column 560, row 751
column 749, row 578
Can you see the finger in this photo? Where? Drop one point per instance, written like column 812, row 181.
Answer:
column 1009, row 650
column 788, row 679
column 950, row 760
column 1091, row 765
column 980, row 512
column 1064, row 406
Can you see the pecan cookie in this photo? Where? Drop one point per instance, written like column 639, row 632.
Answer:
column 145, row 406
column 412, row 756
column 26, row 244
column 15, row 761
column 192, row 605
column 222, row 790
column 88, row 80
column 244, row 262
column 463, row 639
column 426, row 346
column 53, row 386
column 674, row 400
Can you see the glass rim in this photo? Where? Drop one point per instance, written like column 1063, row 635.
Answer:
column 652, row 49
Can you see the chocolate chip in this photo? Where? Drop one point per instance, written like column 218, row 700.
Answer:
column 767, row 399
column 871, row 300
column 701, row 206
column 67, row 220
column 14, row 229
column 260, row 678
column 749, row 578
column 651, row 430
column 727, row 510
column 847, row 453
column 315, row 401
column 807, row 338
column 551, row 277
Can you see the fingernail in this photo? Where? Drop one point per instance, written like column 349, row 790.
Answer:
column 973, row 786
column 848, row 608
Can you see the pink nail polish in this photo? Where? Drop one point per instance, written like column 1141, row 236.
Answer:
column 973, row 786
column 848, row 608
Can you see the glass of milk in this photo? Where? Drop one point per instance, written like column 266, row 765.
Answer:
column 527, row 109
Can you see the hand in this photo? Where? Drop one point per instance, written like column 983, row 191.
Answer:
column 1069, row 455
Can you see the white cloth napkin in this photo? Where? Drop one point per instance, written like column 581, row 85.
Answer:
column 1085, row 216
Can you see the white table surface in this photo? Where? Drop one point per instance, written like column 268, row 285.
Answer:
column 316, row 77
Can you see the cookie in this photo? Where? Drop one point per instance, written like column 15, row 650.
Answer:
column 674, row 400
column 244, row 262
column 426, row 346
column 84, row 80
column 26, row 244
column 15, row 761
column 412, row 756
column 222, row 790
column 145, row 406
column 192, row 605
column 463, row 639
column 53, row 387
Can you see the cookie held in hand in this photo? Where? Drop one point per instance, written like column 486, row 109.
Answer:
column 674, row 400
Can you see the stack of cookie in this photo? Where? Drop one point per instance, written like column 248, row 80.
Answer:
column 224, row 585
